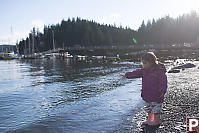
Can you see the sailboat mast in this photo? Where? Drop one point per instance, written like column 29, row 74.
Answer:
column 24, row 52
column 29, row 45
column 33, row 44
column 53, row 40
column 11, row 30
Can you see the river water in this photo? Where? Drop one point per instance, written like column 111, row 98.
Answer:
column 54, row 95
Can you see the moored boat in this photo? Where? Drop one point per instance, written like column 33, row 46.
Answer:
column 8, row 56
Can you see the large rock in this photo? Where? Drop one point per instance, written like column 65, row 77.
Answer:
column 174, row 71
column 187, row 65
column 177, row 68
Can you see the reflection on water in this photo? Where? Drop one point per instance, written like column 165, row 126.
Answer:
column 65, row 95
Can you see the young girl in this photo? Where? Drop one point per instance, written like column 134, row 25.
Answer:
column 154, row 86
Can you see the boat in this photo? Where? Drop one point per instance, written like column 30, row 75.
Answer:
column 98, row 57
column 8, row 56
column 50, row 56
column 63, row 54
column 67, row 55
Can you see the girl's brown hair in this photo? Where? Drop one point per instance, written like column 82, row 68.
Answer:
column 151, row 58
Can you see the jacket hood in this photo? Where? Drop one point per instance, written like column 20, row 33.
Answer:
column 162, row 66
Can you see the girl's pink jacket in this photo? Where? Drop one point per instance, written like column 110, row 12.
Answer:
column 154, row 83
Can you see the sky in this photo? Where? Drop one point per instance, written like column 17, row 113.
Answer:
column 18, row 17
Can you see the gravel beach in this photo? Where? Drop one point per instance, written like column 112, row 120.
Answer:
column 181, row 100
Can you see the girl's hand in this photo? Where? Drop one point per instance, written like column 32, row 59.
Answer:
column 122, row 75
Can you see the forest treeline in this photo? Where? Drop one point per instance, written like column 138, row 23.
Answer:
column 80, row 32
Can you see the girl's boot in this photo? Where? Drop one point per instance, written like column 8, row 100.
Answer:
column 148, row 118
column 154, row 120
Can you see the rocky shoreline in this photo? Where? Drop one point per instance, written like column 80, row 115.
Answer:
column 181, row 100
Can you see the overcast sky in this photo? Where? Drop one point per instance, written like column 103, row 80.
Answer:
column 19, row 16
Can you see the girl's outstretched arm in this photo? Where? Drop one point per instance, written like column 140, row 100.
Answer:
column 134, row 74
